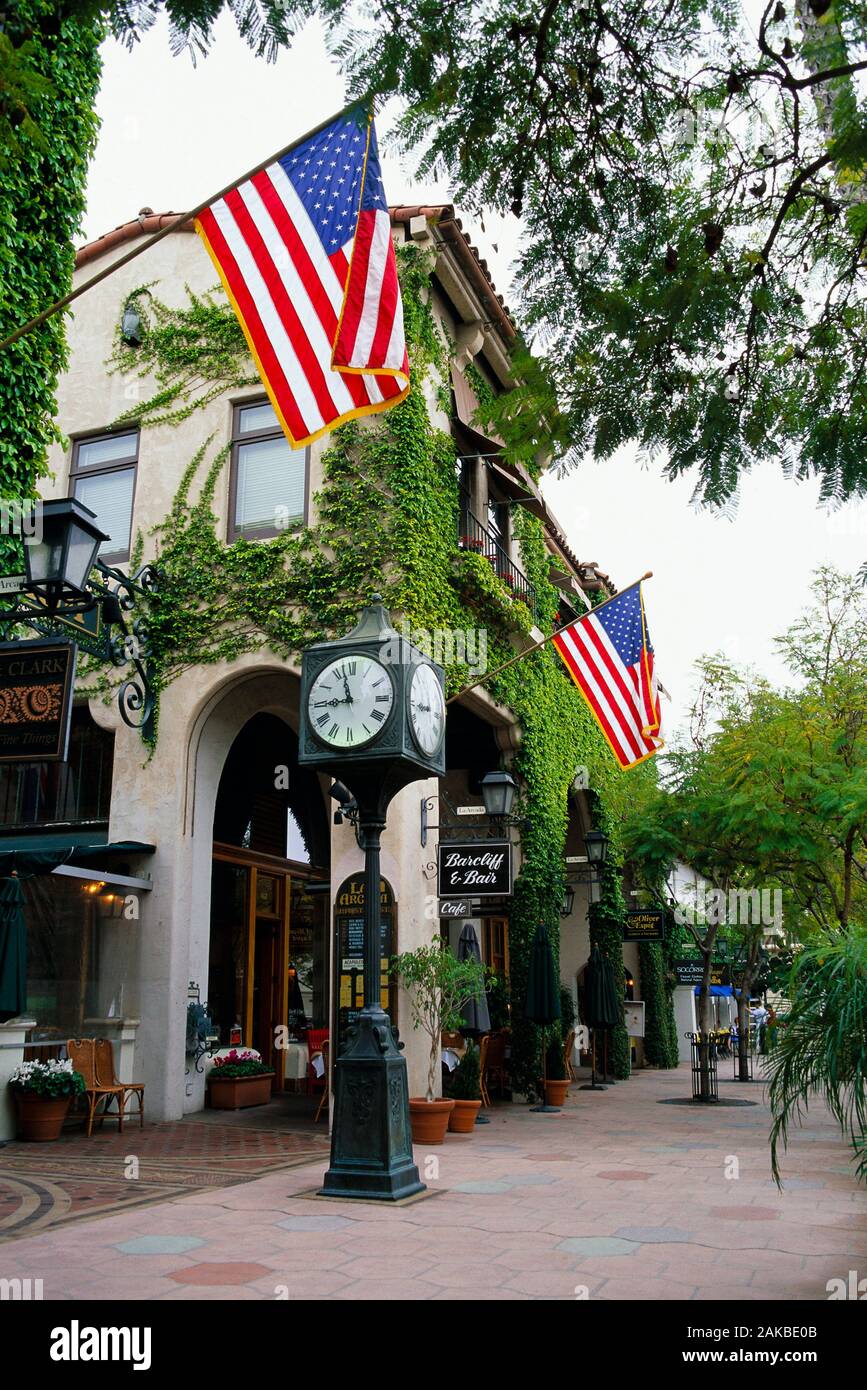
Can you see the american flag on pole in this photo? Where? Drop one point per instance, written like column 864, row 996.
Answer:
column 304, row 251
column 609, row 656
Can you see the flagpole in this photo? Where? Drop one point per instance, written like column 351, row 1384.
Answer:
column 489, row 675
column 164, row 231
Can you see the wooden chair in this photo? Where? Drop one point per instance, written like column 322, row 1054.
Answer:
column 484, row 1043
column 106, row 1076
column 326, row 1058
column 567, row 1054
column 82, row 1053
column 495, row 1062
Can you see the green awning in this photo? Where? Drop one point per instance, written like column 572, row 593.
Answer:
column 27, row 855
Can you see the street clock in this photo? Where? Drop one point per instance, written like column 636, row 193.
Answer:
column 373, row 714
column 372, row 706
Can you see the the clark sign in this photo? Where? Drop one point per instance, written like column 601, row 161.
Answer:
column 482, row 868
column 36, row 683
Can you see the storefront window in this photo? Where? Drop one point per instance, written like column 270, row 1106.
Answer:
column 75, row 792
column 82, row 955
column 308, row 951
column 227, row 978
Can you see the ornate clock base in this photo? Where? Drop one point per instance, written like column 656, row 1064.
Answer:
column 371, row 1142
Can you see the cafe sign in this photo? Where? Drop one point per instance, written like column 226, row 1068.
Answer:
column 643, row 924
column 480, row 868
column 36, row 686
column 456, row 907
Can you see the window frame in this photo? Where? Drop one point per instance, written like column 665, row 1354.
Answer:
column 109, row 557
column 265, row 533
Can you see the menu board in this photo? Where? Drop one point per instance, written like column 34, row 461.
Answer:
column 349, row 925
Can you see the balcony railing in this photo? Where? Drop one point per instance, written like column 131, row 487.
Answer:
column 473, row 536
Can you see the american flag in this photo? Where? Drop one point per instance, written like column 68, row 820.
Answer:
column 609, row 656
column 304, row 251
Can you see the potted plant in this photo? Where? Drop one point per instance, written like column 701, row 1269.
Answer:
column 439, row 985
column 556, row 1081
column 43, row 1093
column 466, row 1093
column 238, row 1080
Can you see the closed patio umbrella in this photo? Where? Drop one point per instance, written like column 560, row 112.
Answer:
column 601, row 1004
column 543, row 995
column 13, row 950
column 475, row 1014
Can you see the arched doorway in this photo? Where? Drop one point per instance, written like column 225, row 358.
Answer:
column 268, row 969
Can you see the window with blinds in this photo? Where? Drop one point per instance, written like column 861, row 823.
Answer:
column 269, row 477
column 102, row 476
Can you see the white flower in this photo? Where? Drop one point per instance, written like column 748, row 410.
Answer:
column 32, row 1071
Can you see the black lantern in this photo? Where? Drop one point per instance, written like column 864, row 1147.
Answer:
column 568, row 900
column 131, row 327
column 63, row 550
column 498, row 793
column 596, row 845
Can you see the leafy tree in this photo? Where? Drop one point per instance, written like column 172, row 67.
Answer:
column 822, row 1047
column 691, row 187
column 690, row 184
column 771, row 792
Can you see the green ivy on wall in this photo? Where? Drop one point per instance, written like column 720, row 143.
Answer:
column 57, row 67
column 387, row 519
column 660, row 1030
column 607, row 918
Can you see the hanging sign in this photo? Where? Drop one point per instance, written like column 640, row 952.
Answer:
column 36, row 686
column 644, row 924
column 689, row 972
column 456, row 907
column 482, row 868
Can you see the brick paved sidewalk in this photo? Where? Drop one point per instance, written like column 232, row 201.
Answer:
column 618, row 1197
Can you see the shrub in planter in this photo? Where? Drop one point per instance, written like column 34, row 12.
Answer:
column 466, row 1093
column 238, row 1080
column 556, row 1082
column 43, row 1093
column 440, row 985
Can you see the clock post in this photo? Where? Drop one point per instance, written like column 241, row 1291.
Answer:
column 372, row 715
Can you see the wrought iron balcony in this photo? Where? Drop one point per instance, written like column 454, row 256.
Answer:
column 473, row 536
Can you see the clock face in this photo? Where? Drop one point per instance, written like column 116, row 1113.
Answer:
column 427, row 709
column 350, row 701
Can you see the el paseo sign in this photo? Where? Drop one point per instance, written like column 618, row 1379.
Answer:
column 36, row 684
column 480, row 868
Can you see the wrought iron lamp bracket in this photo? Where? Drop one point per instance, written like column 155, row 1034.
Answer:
column 117, row 640
column 492, row 827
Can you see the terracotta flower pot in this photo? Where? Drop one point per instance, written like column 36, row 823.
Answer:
column 41, row 1118
column 239, row 1092
column 556, row 1092
column 429, row 1119
column 462, row 1120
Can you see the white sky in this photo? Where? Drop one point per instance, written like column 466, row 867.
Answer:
column 172, row 135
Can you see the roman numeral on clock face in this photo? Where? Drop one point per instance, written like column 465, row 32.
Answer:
column 350, row 701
